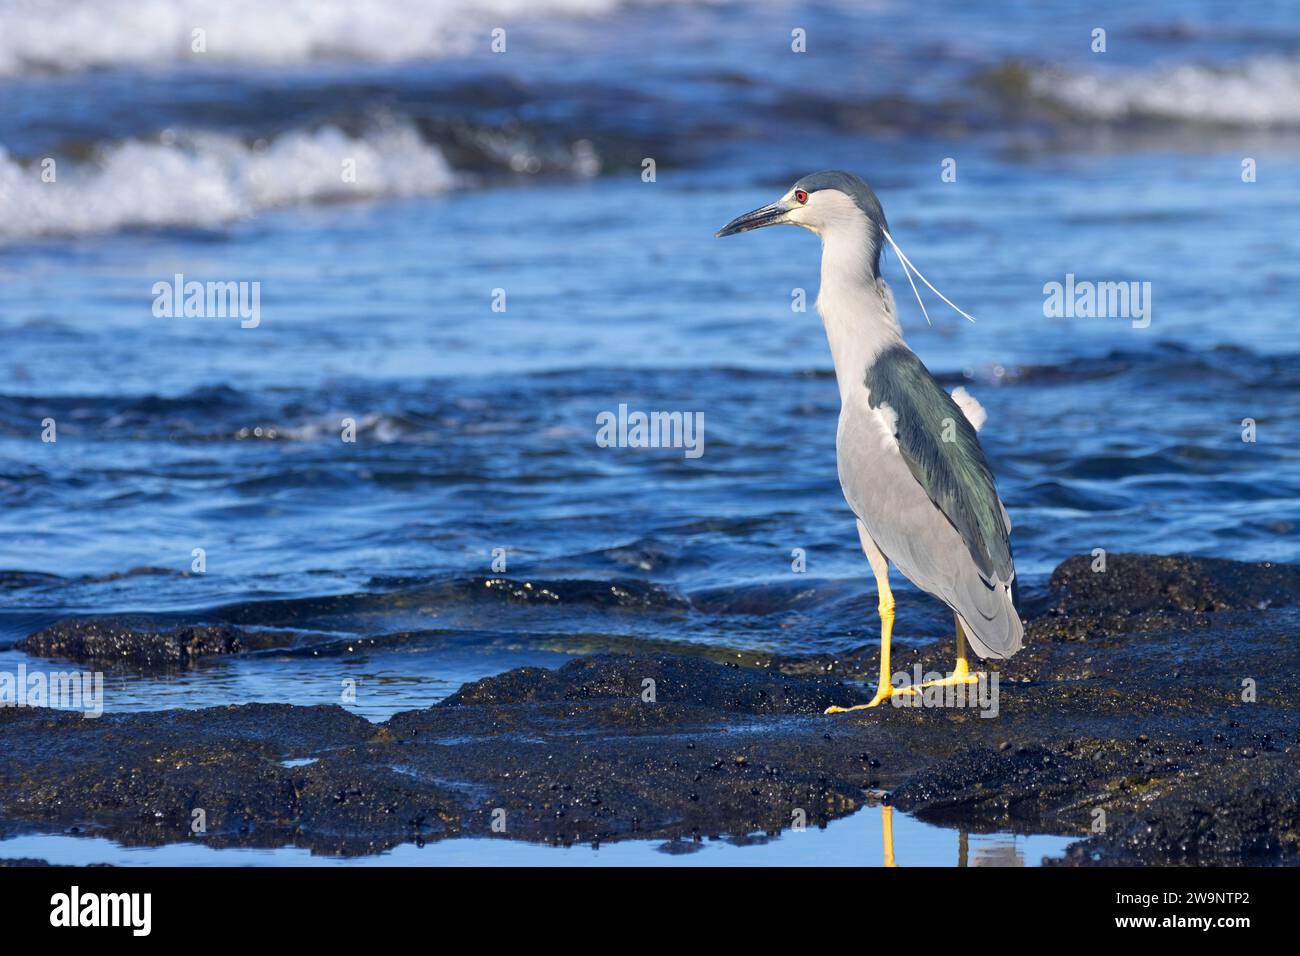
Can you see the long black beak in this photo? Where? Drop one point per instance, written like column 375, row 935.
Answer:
column 769, row 215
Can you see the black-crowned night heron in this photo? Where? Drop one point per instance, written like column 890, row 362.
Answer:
column 910, row 465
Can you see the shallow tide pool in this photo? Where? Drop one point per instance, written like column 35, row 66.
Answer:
column 856, row 840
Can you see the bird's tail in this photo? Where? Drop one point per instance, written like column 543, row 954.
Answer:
column 993, row 625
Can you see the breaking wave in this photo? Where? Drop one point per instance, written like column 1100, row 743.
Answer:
column 1258, row 92
column 205, row 179
column 73, row 35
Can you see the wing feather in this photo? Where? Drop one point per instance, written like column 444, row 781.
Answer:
column 941, row 450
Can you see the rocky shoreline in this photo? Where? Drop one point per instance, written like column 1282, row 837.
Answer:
column 1154, row 714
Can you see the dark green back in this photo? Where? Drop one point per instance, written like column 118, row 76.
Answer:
column 955, row 474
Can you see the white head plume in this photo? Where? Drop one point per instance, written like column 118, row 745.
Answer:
column 908, row 269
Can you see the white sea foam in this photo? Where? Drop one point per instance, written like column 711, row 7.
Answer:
column 205, row 179
column 70, row 35
column 1264, row 91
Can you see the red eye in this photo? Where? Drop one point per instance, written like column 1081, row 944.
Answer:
column 800, row 196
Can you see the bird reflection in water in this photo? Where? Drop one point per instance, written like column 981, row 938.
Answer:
column 1000, row 850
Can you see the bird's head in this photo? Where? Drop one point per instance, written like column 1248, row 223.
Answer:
column 843, row 210
column 837, row 206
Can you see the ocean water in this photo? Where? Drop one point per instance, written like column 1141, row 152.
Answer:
column 482, row 175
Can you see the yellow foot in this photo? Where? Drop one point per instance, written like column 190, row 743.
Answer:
column 958, row 677
column 882, row 695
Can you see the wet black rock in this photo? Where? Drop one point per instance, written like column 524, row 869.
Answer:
column 618, row 593
column 1135, row 583
column 1154, row 714
column 679, row 680
column 142, row 645
column 566, row 756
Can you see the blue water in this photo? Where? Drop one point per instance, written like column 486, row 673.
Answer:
column 858, row 840
column 476, row 429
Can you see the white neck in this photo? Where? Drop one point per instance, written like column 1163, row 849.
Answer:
column 856, row 307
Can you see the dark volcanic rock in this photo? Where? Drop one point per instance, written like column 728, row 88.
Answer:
column 1144, row 703
column 682, row 680
column 1154, row 713
column 1133, row 583
column 111, row 639
column 619, row 593
column 572, row 755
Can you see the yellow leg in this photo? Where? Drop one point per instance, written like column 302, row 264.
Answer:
column 887, row 833
column 884, row 689
column 961, row 673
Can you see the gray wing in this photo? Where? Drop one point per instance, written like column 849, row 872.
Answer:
column 944, row 456
column 930, row 504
